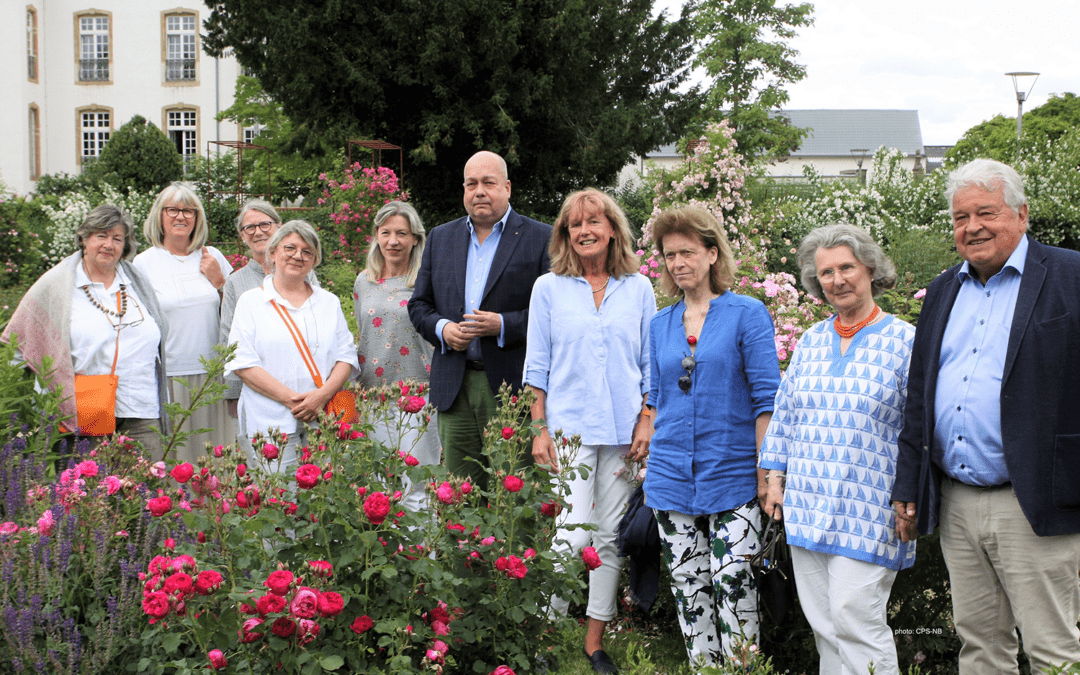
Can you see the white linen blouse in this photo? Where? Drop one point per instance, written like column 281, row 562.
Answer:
column 262, row 340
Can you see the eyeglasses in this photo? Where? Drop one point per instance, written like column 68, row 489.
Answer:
column 264, row 226
column 175, row 212
column 846, row 271
column 291, row 252
column 688, row 364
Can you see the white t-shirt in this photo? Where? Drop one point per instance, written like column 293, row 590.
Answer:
column 189, row 302
column 93, row 344
column 262, row 340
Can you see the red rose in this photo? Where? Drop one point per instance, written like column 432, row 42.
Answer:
column 466, row 488
column 307, row 476
column 270, row 451
column 270, row 604
column 321, row 568
column 290, row 508
column 404, row 351
column 379, row 371
column 179, row 583
column 279, row 582
column 413, row 404
column 283, row 627
column 590, row 557
column 207, row 582
column 361, row 624
column 217, row 659
column 377, row 321
column 305, row 603
column 246, row 636
column 512, row 483
column 344, row 431
column 508, row 432
column 170, row 544
column 502, row 670
column 183, row 472
column 377, row 507
column 411, row 461
column 241, row 469
column 550, row 509
column 156, row 604
column 330, row 604
column 529, row 553
column 306, row 631
column 201, row 538
column 241, row 499
column 159, row 506
column 502, row 564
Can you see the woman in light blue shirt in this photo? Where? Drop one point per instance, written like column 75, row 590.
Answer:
column 587, row 360
column 714, row 377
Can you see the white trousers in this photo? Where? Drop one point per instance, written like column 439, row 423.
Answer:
column 846, row 603
column 599, row 499
column 408, row 438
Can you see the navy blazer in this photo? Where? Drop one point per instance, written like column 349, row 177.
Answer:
column 1040, row 395
column 522, row 256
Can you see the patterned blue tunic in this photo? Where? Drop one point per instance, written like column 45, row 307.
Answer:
column 834, row 431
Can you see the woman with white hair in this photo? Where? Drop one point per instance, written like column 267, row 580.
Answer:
column 273, row 326
column 187, row 276
column 390, row 349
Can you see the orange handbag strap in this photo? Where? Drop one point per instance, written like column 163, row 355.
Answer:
column 298, row 338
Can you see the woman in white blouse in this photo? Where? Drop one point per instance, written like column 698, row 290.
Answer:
column 90, row 310
column 279, row 391
column 187, row 277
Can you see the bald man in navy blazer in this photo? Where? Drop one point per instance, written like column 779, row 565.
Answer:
column 990, row 448
column 471, row 301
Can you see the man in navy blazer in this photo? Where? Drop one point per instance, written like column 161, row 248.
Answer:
column 990, row 448
column 471, row 301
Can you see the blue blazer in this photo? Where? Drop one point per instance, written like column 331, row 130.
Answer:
column 522, row 256
column 1040, row 396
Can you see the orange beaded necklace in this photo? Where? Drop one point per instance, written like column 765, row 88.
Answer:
column 849, row 331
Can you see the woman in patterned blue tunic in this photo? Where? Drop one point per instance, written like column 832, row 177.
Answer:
column 832, row 444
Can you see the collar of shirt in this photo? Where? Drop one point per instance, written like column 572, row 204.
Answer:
column 271, row 293
column 1015, row 261
column 496, row 228
column 82, row 280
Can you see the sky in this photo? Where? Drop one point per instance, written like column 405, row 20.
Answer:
column 946, row 59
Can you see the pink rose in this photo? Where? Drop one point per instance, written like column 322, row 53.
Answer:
column 279, row 582
column 305, row 603
column 241, row 469
column 466, row 488
column 156, row 604
column 270, row 451
column 179, row 583
column 208, row 581
column 529, row 553
column 45, row 524
column 508, row 432
column 487, row 541
column 361, row 624
column 306, row 631
column 330, row 604
column 513, row 484
column 307, row 476
column 8, row 528
column 502, row 670
column 158, row 470
column 159, row 506
column 920, row 294
column 245, row 632
column 183, row 563
column 377, row 507
column 321, row 568
column 182, row 473
column 445, row 493
column 590, row 557
column 87, row 468
column 112, row 484
column 217, row 659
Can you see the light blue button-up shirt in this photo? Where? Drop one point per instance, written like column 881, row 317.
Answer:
column 477, row 268
column 967, row 407
column 593, row 363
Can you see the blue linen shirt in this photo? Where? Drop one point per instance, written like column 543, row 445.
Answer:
column 703, row 455
column 477, row 269
column 593, row 363
column 967, row 408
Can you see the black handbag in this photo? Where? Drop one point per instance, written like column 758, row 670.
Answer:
column 774, row 577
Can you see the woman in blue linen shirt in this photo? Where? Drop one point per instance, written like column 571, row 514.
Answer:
column 714, row 377
column 587, row 360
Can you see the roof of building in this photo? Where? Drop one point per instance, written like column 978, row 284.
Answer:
column 834, row 133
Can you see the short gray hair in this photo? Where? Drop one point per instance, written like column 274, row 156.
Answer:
column 375, row 260
column 301, row 228
column 862, row 246
column 260, row 205
column 106, row 217
column 989, row 175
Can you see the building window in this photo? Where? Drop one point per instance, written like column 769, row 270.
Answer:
column 180, row 48
column 35, row 142
column 93, row 49
column 95, row 126
column 31, row 45
column 252, row 132
column 183, row 130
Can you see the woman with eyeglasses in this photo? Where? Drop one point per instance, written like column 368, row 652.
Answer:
column 587, row 361
column 390, row 349
column 257, row 221
column 714, row 377
column 830, row 452
column 91, row 311
column 187, row 277
column 274, row 327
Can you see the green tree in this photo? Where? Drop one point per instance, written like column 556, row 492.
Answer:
column 744, row 50
column 138, row 156
column 996, row 138
column 565, row 90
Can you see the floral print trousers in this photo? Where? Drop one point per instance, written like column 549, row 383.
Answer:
column 708, row 557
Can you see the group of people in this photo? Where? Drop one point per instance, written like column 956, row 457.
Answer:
column 876, row 431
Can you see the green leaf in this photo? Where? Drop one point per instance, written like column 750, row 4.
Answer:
column 332, row 662
column 171, row 642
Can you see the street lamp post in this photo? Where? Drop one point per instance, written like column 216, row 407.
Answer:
column 1019, row 80
column 859, row 154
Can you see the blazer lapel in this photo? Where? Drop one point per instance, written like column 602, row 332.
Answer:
column 1030, row 286
column 460, row 246
column 508, row 243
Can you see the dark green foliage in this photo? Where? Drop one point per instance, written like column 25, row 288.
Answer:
column 139, row 156
column 996, row 138
column 20, row 246
column 566, row 90
column 920, row 612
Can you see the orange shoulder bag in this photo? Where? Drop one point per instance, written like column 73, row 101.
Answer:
column 95, row 395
